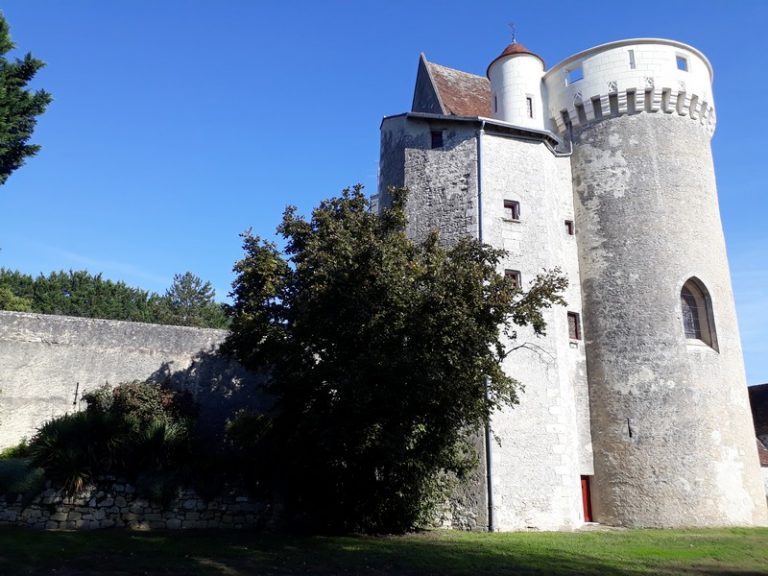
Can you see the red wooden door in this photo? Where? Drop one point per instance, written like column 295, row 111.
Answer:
column 586, row 499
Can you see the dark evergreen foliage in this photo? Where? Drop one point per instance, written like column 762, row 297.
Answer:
column 383, row 357
column 19, row 107
column 189, row 302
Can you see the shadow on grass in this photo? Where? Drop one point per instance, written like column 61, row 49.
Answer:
column 242, row 553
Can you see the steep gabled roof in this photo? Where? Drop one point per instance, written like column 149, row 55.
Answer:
column 443, row 90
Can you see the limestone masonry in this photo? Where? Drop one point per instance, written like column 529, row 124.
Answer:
column 47, row 363
column 116, row 505
column 635, row 410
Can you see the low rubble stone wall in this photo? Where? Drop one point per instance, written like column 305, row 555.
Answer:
column 118, row 505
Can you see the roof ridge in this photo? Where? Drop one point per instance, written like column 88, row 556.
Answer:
column 478, row 76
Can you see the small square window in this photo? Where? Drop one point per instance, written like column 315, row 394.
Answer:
column 513, row 277
column 529, row 106
column 570, row 229
column 682, row 63
column 574, row 328
column 437, row 138
column 575, row 75
column 511, row 210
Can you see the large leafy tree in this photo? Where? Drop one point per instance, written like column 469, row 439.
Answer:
column 383, row 357
column 19, row 107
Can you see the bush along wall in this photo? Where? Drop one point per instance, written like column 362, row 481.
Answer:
column 112, row 503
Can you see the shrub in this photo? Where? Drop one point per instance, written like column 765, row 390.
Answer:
column 21, row 450
column 18, row 477
column 75, row 448
column 137, row 429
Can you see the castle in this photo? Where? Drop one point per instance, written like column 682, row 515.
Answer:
column 635, row 410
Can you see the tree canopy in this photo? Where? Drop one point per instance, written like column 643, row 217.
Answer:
column 19, row 107
column 188, row 302
column 383, row 357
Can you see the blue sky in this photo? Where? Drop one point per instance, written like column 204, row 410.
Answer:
column 178, row 124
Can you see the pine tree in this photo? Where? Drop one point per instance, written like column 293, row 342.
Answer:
column 19, row 107
column 190, row 302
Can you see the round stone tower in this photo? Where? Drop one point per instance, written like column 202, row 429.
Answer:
column 672, row 433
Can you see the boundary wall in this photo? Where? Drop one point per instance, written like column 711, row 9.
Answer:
column 48, row 362
column 117, row 505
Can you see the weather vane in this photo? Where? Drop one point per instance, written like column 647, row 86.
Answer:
column 514, row 32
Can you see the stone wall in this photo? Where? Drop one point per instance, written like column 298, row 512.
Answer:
column 460, row 189
column 545, row 440
column 117, row 505
column 48, row 362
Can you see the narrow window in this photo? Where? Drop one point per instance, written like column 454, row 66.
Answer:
column 529, row 106
column 570, row 229
column 574, row 75
column 437, row 138
column 691, row 320
column 513, row 277
column 574, row 329
column 495, row 103
column 511, row 210
column 698, row 323
column 682, row 63
column 632, row 59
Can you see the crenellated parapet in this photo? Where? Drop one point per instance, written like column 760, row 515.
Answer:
column 645, row 75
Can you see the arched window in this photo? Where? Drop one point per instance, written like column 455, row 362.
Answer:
column 698, row 323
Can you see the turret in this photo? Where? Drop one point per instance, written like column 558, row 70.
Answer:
column 516, row 87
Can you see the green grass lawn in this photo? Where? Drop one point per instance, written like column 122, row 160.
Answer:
column 627, row 552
